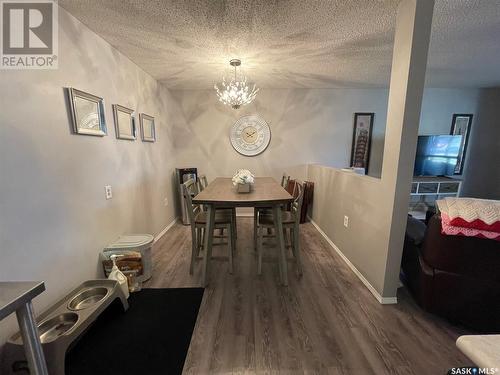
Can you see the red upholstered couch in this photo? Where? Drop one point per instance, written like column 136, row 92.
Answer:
column 455, row 277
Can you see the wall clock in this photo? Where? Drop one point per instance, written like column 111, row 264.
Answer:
column 250, row 135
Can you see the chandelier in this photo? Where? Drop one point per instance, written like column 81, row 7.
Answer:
column 235, row 93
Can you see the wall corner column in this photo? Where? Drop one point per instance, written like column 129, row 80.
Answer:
column 411, row 44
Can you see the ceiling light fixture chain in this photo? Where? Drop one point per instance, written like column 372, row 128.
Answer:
column 236, row 93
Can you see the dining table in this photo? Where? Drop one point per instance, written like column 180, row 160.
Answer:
column 264, row 192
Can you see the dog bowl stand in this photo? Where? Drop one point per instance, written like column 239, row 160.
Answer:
column 17, row 296
column 63, row 323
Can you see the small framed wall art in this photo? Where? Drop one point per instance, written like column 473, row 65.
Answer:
column 87, row 113
column 361, row 140
column 124, row 122
column 148, row 132
column 460, row 125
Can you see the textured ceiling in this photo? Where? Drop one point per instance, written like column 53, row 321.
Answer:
column 293, row 43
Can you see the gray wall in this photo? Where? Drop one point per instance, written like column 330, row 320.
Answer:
column 482, row 167
column 54, row 217
column 307, row 125
column 338, row 193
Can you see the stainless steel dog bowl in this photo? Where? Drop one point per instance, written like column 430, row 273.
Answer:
column 57, row 326
column 87, row 298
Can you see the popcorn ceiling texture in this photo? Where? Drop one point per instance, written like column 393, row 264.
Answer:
column 293, row 44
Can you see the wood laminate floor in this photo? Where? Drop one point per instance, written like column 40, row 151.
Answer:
column 327, row 322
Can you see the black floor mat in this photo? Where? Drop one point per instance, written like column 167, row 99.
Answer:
column 151, row 338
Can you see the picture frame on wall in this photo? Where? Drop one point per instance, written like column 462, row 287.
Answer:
column 124, row 122
column 86, row 112
column 460, row 125
column 361, row 140
column 148, row 131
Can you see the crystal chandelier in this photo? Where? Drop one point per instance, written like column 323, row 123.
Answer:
column 236, row 93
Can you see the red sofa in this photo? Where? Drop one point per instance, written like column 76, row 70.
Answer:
column 455, row 277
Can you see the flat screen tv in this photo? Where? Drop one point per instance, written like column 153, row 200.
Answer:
column 437, row 155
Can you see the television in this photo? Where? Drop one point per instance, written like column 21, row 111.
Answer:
column 437, row 155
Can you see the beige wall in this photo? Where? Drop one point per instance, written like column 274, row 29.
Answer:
column 54, row 217
column 361, row 198
column 482, row 167
column 377, row 208
column 307, row 126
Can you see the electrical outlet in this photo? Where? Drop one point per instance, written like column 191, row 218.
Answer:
column 346, row 221
column 108, row 191
column 165, row 202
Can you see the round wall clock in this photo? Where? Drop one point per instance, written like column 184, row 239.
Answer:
column 250, row 135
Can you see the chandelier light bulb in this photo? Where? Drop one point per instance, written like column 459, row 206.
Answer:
column 235, row 92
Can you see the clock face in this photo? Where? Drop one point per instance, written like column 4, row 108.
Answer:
column 250, row 135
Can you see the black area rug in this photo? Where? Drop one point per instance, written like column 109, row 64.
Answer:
column 151, row 338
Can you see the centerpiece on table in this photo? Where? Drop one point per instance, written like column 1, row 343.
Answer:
column 243, row 180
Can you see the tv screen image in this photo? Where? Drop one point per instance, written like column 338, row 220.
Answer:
column 437, row 155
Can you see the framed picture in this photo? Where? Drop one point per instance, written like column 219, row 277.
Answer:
column 460, row 125
column 124, row 122
column 87, row 113
column 148, row 133
column 361, row 140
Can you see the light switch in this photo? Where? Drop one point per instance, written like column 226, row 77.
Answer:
column 109, row 191
column 346, row 221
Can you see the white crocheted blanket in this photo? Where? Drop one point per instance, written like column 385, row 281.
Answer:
column 470, row 209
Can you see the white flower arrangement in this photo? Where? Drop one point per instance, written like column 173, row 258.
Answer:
column 242, row 177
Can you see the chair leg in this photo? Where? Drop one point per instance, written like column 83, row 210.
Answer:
column 235, row 228
column 198, row 240
column 202, row 244
column 230, row 247
column 194, row 249
column 232, row 238
column 296, row 247
column 259, row 250
column 255, row 211
column 278, row 229
column 209, row 235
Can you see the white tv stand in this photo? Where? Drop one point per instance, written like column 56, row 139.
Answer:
column 433, row 188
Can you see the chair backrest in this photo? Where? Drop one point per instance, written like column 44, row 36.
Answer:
column 188, row 188
column 202, row 182
column 284, row 180
column 298, row 193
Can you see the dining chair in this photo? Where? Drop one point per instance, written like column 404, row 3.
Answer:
column 202, row 183
column 285, row 178
column 290, row 220
column 198, row 219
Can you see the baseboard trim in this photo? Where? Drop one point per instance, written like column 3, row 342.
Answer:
column 382, row 300
column 165, row 230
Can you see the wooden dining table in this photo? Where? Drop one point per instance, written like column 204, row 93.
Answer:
column 265, row 192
